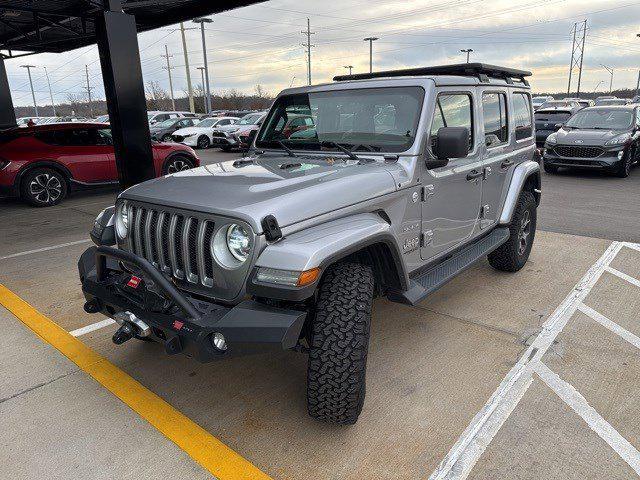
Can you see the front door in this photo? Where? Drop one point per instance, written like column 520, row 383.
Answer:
column 452, row 194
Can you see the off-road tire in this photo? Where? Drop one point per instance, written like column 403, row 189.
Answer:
column 203, row 142
column 512, row 255
column 43, row 187
column 623, row 167
column 338, row 344
column 550, row 168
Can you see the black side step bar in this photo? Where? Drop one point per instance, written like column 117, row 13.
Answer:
column 438, row 275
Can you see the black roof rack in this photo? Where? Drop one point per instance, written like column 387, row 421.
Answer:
column 480, row 70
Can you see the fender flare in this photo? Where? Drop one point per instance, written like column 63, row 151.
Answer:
column 180, row 153
column 322, row 245
column 39, row 164
column 525, row 173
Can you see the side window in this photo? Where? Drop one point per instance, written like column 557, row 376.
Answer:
column 223, row 122
column 494, row 112
column 522, row 116
column 453, row 110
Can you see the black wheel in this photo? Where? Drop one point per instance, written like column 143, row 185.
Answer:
column 203, row 141
column 338, row 344
column 623, row 168
column 514, row 253
column 177, row 163
column 550, row 168
column 167, row 138
column 43, row 187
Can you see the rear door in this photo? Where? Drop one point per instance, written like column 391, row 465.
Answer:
column 452, row 194
column 498, row 152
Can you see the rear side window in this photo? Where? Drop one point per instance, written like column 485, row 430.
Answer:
column 494, row 112
column 453, row 110
column 67, row 137
column 522, row 116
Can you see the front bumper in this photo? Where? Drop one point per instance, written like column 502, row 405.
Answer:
column 183, row 324
column 228, row 140
column 191, row 141
column 607, row 160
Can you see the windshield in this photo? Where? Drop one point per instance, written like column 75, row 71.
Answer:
column 552, row 116
column 559, row 104
column 601, row 119
column 208, row 122
column 250, row 119
column 150, row 115
column 611, row 101
column 373, row 119
column 166, row 124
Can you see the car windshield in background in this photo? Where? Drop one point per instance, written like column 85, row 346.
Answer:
column 552, row 116
column 558, row 104
column 372, row 119
column 167, row 123
column 611, row 101
column 208, row 122
column 601, row 119
column 249, row 119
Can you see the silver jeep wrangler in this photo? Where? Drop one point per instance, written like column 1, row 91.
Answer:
column 390, row 185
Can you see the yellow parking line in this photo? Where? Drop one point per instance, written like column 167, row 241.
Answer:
column 199, row 444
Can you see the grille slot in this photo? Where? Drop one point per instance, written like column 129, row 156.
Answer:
column 578, row 152
column 178, row 244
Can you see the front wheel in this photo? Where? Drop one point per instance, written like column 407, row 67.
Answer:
column 43, row 187
column 339, row 342
column 203, row 142
column 623, row 169
column 514, row 253
column 177, row 163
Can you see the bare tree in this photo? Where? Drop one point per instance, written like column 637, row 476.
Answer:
column 157, row 97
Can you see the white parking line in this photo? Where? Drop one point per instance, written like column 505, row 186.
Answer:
column 614, row 327
column 623, row 276
column 90, row 328
column 634, row 246
column 44, row 249
column 478, row 435
column 569, row 395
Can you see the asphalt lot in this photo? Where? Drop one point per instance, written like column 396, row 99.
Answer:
column 524, row 376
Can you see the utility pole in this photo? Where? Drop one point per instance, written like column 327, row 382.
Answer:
column 207, row 102
column 168, row 68
column 86, row 70
column 577, row 53
column 308, row 33
column 53, row 105
column 638, row 85
column 371, row 40
column 192, row 106
column 468, row 52
column 610, row 70
column 204, row 93
column 33, row 95
column 350, row 67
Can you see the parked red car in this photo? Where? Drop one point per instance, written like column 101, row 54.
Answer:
column 41, row 164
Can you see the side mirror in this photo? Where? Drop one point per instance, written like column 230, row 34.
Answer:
column 559, row 125
column 450, row 142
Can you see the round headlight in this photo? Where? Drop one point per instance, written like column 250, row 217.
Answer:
column 122, row 220
column 238, row 242
column 231, row 246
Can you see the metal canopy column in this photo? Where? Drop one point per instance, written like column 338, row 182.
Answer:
column 7, row 114
column 123, row 84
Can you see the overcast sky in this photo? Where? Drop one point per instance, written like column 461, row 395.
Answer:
column 261, row 44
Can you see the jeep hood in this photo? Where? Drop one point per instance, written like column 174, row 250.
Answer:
column 291, row 188
column 586, row 137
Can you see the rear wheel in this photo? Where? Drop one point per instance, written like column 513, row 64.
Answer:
column 43, row 187
column 338, row 344
column 512, row 255
column 203, row 141
column 177, row 163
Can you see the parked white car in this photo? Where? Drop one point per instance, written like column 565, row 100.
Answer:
column 226, row 137
column 200, row 136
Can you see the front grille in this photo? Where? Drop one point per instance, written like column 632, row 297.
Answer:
column 578, row 152
column 177, row 138
column 176, row 243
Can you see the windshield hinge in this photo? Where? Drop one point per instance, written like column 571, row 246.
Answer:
column 427, row 191
column 271, row 228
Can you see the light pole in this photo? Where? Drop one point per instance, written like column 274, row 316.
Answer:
column 350, row 67
column 638, row 84
column 371, row 40
column 53, row 105
column 468, row 52
column 598, row 86
column 207, row 102
column 610, row 70
column 33, row 95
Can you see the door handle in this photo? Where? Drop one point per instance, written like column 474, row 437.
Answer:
column 506, row 164
column 473, row 175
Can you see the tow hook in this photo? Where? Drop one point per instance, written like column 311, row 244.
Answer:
column 130, row 326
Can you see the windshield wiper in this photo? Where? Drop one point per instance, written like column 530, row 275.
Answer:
column 330, row 144
column 285, row 148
